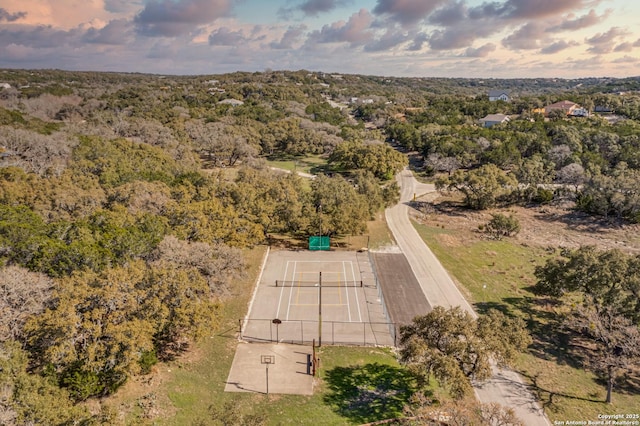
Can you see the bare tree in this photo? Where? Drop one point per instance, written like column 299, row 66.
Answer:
column 612, row 342
column 217, row 263
column 572, row 174
column 35, row 152
column 22, row 294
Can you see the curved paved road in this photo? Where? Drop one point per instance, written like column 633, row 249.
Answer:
column 505, row 387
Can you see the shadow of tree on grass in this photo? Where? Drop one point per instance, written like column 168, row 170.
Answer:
column 370, row 392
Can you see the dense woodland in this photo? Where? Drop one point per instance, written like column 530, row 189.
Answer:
column 126, row 200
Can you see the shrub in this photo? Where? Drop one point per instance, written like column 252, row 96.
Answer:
column 543, row 196
column 502, row 226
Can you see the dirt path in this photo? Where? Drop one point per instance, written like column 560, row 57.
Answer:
column 505, row 387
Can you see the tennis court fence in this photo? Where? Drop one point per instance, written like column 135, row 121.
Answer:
column 328, row 333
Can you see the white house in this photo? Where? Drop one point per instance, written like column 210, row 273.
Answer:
column 493, row 119
column 499, row 95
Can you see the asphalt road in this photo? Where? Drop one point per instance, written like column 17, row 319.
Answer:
column 403, row 296
column 505, row 387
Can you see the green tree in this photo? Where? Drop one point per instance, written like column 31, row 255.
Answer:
column 481, row 187
column 531, row 173
column 382, row 160
column 30, row 398
column 605, row 279
column 325, row 112
column 340, row 210
column 502, row 226
column 606, row 285
column 616, row 194
column 456, row 348
column 101, row 325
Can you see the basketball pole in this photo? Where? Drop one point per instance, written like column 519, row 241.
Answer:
column 319, row 309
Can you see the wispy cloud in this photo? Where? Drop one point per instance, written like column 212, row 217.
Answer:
column 605, row 42
column 11, row 17
column 480, row 52
column 312, row 7
column 558, row 46
column 290, row 38
column 406, row 12
column 584, row 21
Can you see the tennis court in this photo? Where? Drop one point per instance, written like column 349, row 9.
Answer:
column 330, row 297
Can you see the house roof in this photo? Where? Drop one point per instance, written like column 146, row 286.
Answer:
column 562, row 105
column 498, row 118
column 498, row 93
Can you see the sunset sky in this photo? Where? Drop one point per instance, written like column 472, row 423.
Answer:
column 425, row 38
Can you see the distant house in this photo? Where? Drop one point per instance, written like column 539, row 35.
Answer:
column 602, row 109
column 232, row 102
column 5, row 86
column 579, row 112
column 568, row 107
column 499, row 95
column 493, row 119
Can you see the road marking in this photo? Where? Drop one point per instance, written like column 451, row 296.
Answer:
column 346, row 289
column 282, row 289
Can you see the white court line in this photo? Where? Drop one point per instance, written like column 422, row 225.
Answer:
column 346, row 288
column 295, row 266
column 355, row 290
column 282, row 290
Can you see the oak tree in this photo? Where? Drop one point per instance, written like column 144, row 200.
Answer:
column 456, row 348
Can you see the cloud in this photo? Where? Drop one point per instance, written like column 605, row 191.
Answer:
column 624, row 47
column 39, row 37
column 116, row 32
column 480, row 52
column 121, row 6
column 604, row 42
column 167, row 18
column 388, row 40
column 462, row 35
column 449, row 15
column 418, row 41
column 355, row 31
column 584, row 21
column 528, row 9
column 406, row 12
column 290, row 38
column 225, row 37
column 626, row 60
column 313, row 7
column 558, row 46
column 11, row 17
column 526, row 37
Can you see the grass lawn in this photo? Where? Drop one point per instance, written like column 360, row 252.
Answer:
column 498, row 274
column 312, row 164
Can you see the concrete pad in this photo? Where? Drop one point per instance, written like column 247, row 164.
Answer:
column 287, row 374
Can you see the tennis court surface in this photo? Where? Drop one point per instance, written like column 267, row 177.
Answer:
column 330, row 297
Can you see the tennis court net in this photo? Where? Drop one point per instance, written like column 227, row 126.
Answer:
column 316, row 283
